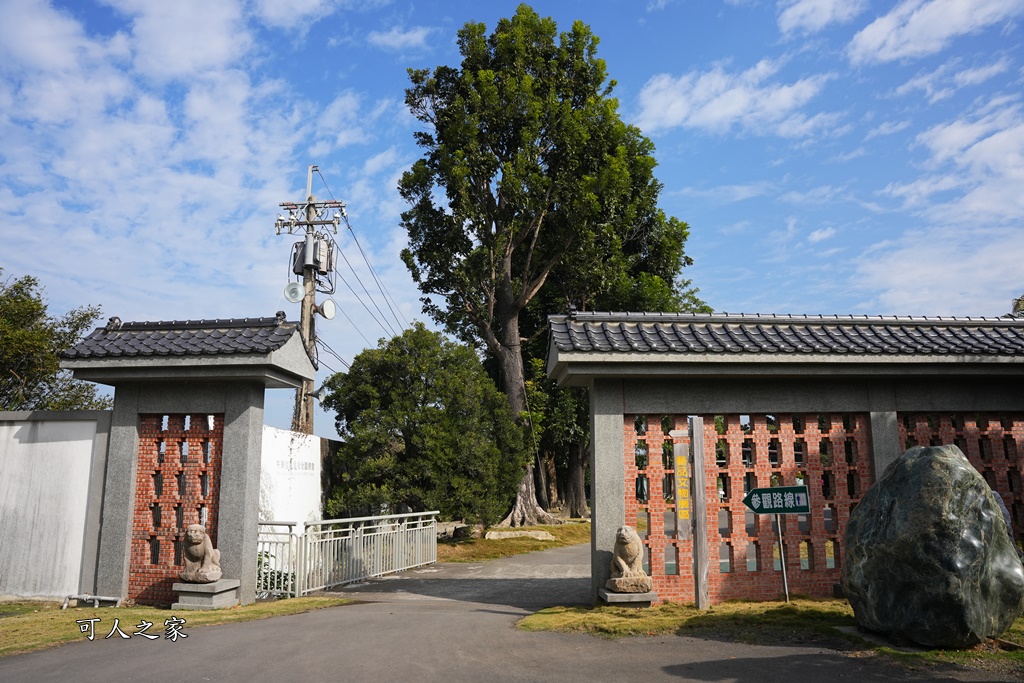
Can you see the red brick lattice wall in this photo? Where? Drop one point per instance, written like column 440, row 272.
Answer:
column 993, row 443
column 648, row 458
column 177, row 483
column 830, row 453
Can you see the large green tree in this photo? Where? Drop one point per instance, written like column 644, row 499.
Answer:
column 423, row 427
column 30, row 343
column 527, row 167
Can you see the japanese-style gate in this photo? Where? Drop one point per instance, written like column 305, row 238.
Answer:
column 185, row 443
column 754, row 401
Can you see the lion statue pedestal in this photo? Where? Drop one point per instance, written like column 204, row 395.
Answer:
column 201, row 584
column 628, row 575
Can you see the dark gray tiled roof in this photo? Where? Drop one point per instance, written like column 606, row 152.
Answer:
column 185, row 338
column 700, row 333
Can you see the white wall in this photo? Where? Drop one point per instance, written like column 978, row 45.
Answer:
column 290, row 476
column 44, row 487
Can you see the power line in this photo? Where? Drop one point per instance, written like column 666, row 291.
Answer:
column 334, row 353
column 388, row 299
column 360, row 300
column 373, row 272
column 370, row 296
column 342, row 311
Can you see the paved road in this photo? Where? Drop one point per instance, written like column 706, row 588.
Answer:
column 444, row 623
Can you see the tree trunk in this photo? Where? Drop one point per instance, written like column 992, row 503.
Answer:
column 525, row 510
column 540, row 481
column 551, row 476
column 576, row 488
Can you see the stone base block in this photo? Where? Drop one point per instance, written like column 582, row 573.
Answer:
column 217, row 595
column 630, row 584
column 627, row 599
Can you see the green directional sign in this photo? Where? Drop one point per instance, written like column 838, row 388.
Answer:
column 778, row 500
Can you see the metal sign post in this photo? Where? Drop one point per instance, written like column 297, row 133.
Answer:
column 778, row 501
column 782, row 556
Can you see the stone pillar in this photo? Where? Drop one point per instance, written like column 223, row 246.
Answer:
column 885, row 436
column 240, row 486
column 119, row 495
column 608, row 478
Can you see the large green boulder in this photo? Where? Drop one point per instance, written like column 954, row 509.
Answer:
column 928, row 556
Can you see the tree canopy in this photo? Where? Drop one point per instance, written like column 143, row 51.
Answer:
column 30, row 343
column 423, row 427
column 528, row 173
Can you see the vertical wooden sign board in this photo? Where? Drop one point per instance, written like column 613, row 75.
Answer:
column 681, row 457
column 701, row 567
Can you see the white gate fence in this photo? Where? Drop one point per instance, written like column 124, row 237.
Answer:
column 296, row 558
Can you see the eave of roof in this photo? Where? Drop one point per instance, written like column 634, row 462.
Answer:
column 185, row 338
column 588, row 341
column 266, row 350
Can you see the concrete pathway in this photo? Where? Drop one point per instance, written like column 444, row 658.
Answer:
column 449, row 622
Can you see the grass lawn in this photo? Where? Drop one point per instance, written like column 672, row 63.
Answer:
column 28, row 626
column 478, row 549
column 804, row 621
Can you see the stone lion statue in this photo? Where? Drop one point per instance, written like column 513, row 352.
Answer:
column 628, row 575
column 628, row 558
column 202, row 561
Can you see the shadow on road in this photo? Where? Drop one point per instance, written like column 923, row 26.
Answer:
column 825, row 666
column 524, row 593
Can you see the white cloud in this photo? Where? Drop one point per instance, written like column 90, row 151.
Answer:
column 887, row 128
column 730, row 193
column 952, row 140
column 379, row 162
column 918, row 192
column 398, row 40
column 719, row 101
column 850, row 156
column 161, row 199
column 57, row 74
column 811, row 16
column 291, row 13
column 346, row 120
column 303, row 13
column 185, row 38
column 737, row 228
column 976, row 170
column 817, row 196
column 944, row 271
column 35, row 36
column 945, row 81
column 821, row 235
column 916, row 28
column 787, row 234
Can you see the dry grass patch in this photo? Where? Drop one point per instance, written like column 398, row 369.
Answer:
column 479, row 549
column 803, row 621
column 749, row 622
column 611, row 622
column 28, row 626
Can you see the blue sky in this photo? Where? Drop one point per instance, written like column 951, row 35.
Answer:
column 830, row 156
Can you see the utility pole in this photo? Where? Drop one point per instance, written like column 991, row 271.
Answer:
column 314, row 254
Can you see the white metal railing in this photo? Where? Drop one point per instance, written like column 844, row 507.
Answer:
column 297, row 558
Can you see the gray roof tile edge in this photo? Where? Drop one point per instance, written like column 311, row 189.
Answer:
column 188, row 337
column 660, row 333
column 776, row 318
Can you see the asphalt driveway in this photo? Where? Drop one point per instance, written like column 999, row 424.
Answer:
column 448, row 622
